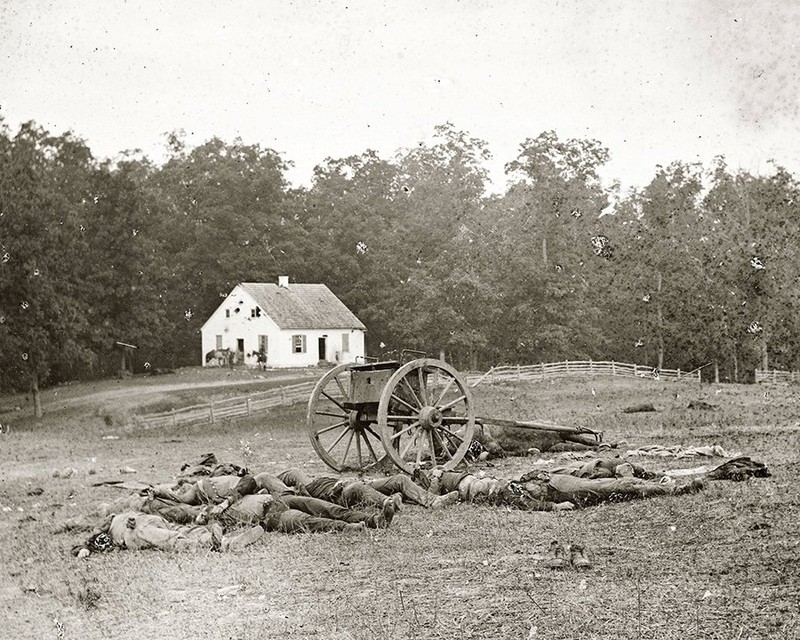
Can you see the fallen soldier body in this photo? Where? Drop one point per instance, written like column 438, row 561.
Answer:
column 352, row 493
column 259, row 512
column 493, row 491
column 211, row 490
column 295, row 514
column 500, row 441
column 584, row 492
column 137, row 530
column 542, row 491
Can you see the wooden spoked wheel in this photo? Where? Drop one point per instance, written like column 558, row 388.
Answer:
column 426, row 416
column 345, row 438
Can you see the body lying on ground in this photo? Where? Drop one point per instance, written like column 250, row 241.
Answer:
column 353, row 493
column 138, row 530
column 500, row 441
column 544, row 491
column 184, row 516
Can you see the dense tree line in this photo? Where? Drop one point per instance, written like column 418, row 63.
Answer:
column 698, row 267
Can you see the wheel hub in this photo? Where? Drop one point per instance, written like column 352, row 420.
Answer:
column 430, row 417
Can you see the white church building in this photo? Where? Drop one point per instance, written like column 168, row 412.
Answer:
column 294, row 325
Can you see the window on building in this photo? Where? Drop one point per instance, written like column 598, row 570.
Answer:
column 345, row 342
column 298, row 343
column 255, row 313
column 227, row 313
column 219, row 342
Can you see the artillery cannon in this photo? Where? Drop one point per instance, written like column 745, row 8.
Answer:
column 417, row 415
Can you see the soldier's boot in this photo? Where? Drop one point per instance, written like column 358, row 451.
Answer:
column 239, row 540
column 446, row 500
column 556, row 558
column 397, row 498
column 385, row 517
column 578, row 557
column 693, row 486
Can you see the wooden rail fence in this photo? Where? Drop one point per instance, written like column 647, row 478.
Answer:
column 776, row 376
column 219, row 410
column 243, row 406
column 543, row 371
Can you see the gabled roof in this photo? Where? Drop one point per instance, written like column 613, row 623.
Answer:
column 302, row 306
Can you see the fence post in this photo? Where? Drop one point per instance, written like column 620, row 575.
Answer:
column 247, row 401
column 542, row 370
column 613, row 368
column 773, row 375
column 174, row 419
column 635, row 372
column 283, row 396
column 211, row 406
column 518, row 378
column 679, row 374
column 591, row 367
column 566, row 365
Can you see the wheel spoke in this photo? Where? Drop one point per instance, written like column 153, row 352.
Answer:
column 335, row 442
column 414, row 409
column 369, row 446
column 443, row 444
column 433, row 448
column 408, row 446
column 334, row 400
column 369, row 429
column 422, row 391
column 452, row 403
column 413, row 394
column 444, row 391
column 405, row 430
column 450, row 434
column 358, row 449
column 419, row 450
column 347, row 448
column 341, row 387
column 330, row 428
column 332, row 415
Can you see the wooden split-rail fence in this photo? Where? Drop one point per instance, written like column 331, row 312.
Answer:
column 776, row 376
column 244, row 406
column 230, row 408
column 543, row 371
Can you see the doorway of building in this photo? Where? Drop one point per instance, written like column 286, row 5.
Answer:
column 240, row 350
column 321, row 347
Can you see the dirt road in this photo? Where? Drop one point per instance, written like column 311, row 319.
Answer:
column 130, row 393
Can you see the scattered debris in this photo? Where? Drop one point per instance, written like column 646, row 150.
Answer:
column 639, row 408
column 128, row 470
column 702, row 406
column 64, row 473
column 679, row 451
column 224, row 592
column 738, row 469
column 37, row 491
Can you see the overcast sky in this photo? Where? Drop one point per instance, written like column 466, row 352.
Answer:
column 654, row 82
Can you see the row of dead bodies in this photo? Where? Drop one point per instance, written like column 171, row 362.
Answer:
column 224, row 507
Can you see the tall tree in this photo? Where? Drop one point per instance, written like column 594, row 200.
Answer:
column 43, row 188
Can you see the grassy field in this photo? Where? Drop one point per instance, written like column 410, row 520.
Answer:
column 724, row 563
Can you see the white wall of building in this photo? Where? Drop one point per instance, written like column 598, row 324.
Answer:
column 234, row 321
